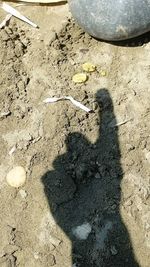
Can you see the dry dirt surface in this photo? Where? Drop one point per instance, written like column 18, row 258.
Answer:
column 86, row 200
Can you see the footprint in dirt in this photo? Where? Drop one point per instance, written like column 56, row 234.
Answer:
column 85, row 190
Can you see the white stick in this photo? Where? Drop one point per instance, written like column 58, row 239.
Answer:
column 74, row 102
column 12, row 150
column 122, row 123
column 17, row 14
column 4, row 22
column 42, row 1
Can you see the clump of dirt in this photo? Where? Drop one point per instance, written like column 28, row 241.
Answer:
column 87, row 195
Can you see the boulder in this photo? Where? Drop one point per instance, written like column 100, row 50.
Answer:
column 112, row 20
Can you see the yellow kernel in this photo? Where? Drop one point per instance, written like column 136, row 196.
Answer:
column 79, row 78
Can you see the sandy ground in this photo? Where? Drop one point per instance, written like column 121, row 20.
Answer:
column 86, row 201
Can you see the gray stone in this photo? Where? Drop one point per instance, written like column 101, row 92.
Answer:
column 112, row 20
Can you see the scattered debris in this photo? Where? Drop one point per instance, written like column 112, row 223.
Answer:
column 4, row 114
column 15, row 13
column 89, row 67
column 5, row 21
column 147, row 155
column 16, row 177
column 75, row 102
column 82, row 232
column 23, row 193
column 79, row 78
column 13, row 149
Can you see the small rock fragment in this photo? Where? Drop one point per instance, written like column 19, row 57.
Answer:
column 80, row 78
column 148, row 156
column 16, row 177
column 13, row 149
column 88, row 67
column 23, row 193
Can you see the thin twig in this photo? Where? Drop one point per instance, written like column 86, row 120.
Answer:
column 122, row 123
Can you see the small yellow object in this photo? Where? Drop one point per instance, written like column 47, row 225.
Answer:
column 80, row 78
column 88, row 67
column 103, row 73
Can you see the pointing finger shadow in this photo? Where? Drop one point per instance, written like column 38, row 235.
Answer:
column 83, row 192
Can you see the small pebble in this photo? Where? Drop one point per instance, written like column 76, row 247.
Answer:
column 16, row 177
column 23, row 193
column 148, row 156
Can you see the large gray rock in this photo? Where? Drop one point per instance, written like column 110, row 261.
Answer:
column 112, row 19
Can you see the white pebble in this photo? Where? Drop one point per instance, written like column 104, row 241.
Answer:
column 148, row 156
column 36, row 255
column 23, row 193
column 16, row 177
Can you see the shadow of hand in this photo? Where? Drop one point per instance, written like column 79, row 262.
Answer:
column 84, row 194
